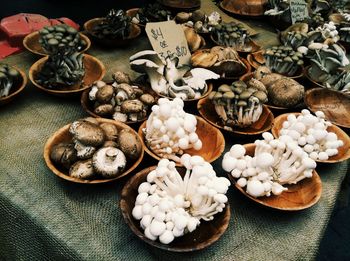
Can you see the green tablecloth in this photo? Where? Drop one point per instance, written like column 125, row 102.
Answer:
column 45, row 218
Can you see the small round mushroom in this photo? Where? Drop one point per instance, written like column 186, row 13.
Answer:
column 104, row 110
column 82, row 169
column 121, row 77
column 128, row 142
column 111, row 131
column 132, row 106
column 109, row 162
column 64, row 154
column 105, row 94
column 87, row 133
column 147, row 99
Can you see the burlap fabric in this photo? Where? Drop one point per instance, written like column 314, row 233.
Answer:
column 45, row 218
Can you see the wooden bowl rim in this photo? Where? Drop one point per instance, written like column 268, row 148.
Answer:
column 315, row 177
column 52, row 91
column 117, row 40
column 331, row 92
column 134, row 228
column 155, row 156
column 237, row 13
column 85, row 97
column 250, row 57
column 334, row 159
column 57, row 172
column 19, row 89
column 43, row 53
column 256, row 47
column 241, row 131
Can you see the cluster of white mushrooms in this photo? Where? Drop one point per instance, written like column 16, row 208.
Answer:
column 170, row 130
column 275, row 162
column 169, row 206
column 310, row 132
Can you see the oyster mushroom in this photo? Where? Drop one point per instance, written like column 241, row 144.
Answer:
column 129, row 143
column 286, row 92
column 109, row 162
column 82, row 169
column 64, row 154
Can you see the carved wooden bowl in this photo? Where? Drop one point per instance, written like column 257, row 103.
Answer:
column 207, row 111
column 334, row 104
column 16, row 89
column 302, row 195
column 343, row 151
column 117, row 42
column 31, row 43
column 94, row 71
column 63, row 135
column 212, row 139
column 207, row 233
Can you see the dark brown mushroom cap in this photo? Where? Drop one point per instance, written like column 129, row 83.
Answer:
column 110, row 143
column 198, row 15
column 104, row 109
column 87, row 133
column 129, row 90
column 131, row 106
column 105, row 94
column 128, row 143
column 182, row 17
column 110, row 130
column 286, row 92
column 82, row 169
column 121, row 77
column 147, row 99
column 64, row 154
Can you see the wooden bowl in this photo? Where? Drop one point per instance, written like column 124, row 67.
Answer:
column 250, row 44
column 343, row 151
column 31, row 43
column 118, row 42
column 63, row 135
column 334, row 104
column 88, row 105
column 210, row 88
column 16, row 89
column 206, row 233
column 181, row 5
column 302, row 195
column 132, row 13
column 313, row 83
column 256, row 59
column 248, row 76
column 252, row 8
column 212, row 139
column 207, row 111
column 94, row 71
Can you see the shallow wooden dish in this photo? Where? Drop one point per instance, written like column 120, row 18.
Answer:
column 212, row 139
column 94, row 71
column 334, row 104
column 207, row 111
column 63, row 135
column 343, row 151
column 251, row 44
column 253, row 8
column 132, row 13
column 248, row 76
column 88, row 105
column 302, row 195
column 16, row 89
column 31, row 43
column 118, row 42
column 182, row 5
column 207, row 233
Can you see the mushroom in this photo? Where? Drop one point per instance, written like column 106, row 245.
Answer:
column 64, row 154
column 170, row 206
column 129, row 143
column 8, row 78
column 121, row 77
column 109, row 162
column 87, row 133
column 286, row 92
column 104, row 110
column 134, row 109
column 104, row 94
column 110, row 130
column 82, row 169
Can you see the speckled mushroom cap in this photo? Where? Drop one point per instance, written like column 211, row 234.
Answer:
column 286, row 92
column 87, row 133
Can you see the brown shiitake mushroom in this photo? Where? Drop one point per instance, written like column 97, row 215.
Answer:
column 87, row 133
column 64, row 154
column 121, row 77
column 269, row 79
column 111, row 131
column 147, row 99
column 129, row 144
column 105, row 94
column 82, row 169
column 110, row 143
column 104, row 110
column 286, row 92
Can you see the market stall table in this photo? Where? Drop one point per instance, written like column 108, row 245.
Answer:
column 44, row 217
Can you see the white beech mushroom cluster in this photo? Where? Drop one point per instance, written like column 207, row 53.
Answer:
column 169, row 78
column 170, row 130
column 275, row 162
column 310, row 132
column 169, row 206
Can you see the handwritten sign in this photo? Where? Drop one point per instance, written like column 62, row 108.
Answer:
column 298, row 10
column 168, row 39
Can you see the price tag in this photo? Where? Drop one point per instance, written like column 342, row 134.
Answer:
column 168, row 39
column 298, row 10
